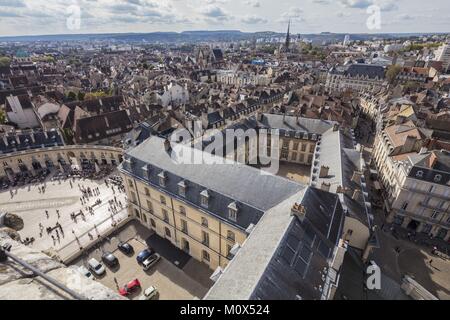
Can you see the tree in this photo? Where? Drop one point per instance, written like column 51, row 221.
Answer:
column 392, row 73
column 80, row 96
column 72, row 96
column 5, row 61
column 2, row 117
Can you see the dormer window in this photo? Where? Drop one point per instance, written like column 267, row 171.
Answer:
column 437, row 178
column 162, row 178
column 419, row 174
column 204, row 198
column 182, row 188
column 146, row 171
column 232, row 211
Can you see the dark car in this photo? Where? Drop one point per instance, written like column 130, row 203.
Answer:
column 109, row 259
column 125, row 248
column 144, row 254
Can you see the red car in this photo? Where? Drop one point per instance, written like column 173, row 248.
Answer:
column 130, row 287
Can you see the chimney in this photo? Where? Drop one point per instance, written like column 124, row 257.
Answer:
column 325, row 186
column 324, row 171
column 32, row 137
column 299, row 211
column 432, row 160
column 356, row 194
column 335, row 127
column 356, row 177
column 167, row 146
column 5, row 140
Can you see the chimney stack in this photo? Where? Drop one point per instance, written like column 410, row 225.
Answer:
column 326, row 186
column 299, row 211
column 433, row 160
column 356, row 177
column 335, row 127
column 167, row 146
column 324, row 171
column 356, row 194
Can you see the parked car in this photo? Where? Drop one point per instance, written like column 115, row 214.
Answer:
column 149, row 293
column 109, row 259
column 125, row 248
column 85, row 272
column 150, row 261
column 96, row 267
column 130, row 287
column 144, row 254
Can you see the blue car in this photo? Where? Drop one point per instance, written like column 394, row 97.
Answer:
column 144, row 254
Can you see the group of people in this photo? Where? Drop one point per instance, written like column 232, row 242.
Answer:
column 59, row 232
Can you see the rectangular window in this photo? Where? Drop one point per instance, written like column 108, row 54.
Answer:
column 184, row 227
column 133, row 197
column 205, row 238
column 163, row 200
column 165, row 215
column 150, row 207
column 206, row 256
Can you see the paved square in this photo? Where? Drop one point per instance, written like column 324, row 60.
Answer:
column 63, row 196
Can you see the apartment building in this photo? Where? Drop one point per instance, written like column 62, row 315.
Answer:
column 356, row 77
column 416, row 181
column 422, row 200
column 206, row 210
column 242, row 78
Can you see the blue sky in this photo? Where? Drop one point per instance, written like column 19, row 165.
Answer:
column 26, row 17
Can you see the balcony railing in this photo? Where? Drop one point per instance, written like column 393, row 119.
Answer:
column 430, row 194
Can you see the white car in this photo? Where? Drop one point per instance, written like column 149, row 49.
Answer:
column 85, row 272
column 96, row 267
column 150, row 261
column 149, row 294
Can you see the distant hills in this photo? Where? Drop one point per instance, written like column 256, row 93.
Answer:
column 197, row 36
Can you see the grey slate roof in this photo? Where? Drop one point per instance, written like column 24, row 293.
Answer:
column 267, row 267
column 336, row 151
column 23, row 141
column 289, row 123
column 439, row 174
column 365, row 70
column 226, row 183
column 304, row 251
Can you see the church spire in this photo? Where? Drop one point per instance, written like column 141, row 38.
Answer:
column 288, row 36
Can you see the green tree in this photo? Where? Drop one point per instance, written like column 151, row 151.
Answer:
column 80, row 96
column 2, row 117
column 72, row 96
column 392, row 73
column 5, row 61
